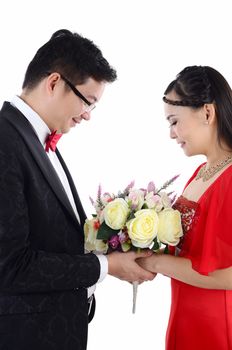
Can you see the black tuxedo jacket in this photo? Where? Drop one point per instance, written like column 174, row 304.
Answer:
column 44, row 272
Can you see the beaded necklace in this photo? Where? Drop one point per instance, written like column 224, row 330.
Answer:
column 206, row 174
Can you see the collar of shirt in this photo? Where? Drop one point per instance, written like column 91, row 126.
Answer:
column 35, row 120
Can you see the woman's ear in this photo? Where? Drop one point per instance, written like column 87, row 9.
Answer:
column 209, row 113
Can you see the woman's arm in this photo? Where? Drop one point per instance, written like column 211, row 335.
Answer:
column 181, row 269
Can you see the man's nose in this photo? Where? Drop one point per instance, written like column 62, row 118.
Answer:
column 86, row 115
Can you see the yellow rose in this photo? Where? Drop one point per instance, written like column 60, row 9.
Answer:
column 116, row 213
column 170, row 229
column 91, row 243
column 143, row 228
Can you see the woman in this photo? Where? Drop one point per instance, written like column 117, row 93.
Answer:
column 198, row 106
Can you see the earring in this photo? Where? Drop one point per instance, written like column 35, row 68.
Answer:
column 206, row 122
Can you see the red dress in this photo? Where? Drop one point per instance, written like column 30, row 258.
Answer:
column 201, row 319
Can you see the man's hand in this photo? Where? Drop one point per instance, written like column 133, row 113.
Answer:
column 125, row 267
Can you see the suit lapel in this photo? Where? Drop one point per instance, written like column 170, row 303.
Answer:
column 79, row 206
column 19, row 122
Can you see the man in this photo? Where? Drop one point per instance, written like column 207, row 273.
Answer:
column 44, row 273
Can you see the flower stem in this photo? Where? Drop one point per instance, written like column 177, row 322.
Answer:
column 135, row 291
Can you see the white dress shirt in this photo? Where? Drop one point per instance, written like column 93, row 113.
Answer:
column 42, row 131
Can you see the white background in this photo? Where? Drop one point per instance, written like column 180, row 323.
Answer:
column 148, row 42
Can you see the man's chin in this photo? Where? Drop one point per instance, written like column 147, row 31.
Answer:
column 65, row 130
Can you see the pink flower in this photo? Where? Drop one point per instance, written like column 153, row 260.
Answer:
column 114, row 242
column 151, row 187
column 153, row 201
column 123, row 237
column 107, row 198
column 136, row 198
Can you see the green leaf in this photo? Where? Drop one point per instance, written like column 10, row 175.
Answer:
column 166, row 250
column 131, row 215
column 125, row 247
column 156, row 244
column 105, row 232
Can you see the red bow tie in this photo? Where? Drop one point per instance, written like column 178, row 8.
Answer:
column 52, row 140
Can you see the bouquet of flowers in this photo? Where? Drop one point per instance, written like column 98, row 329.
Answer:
column 133, row 219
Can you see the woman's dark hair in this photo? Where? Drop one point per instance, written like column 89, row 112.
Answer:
column 71, row 55
column 198, row 85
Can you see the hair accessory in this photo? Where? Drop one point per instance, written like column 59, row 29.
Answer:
column 184, row 103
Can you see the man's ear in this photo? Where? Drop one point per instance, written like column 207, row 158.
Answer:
column 52, row 80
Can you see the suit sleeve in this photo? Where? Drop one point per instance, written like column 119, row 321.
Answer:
column 23, row 268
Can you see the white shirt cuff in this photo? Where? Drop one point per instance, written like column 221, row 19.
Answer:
column 104, row 267
column 103, row 272
column 91, row 290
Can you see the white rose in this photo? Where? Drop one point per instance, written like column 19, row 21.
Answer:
column 116, row 213
column 169, row 229
column 143, row 228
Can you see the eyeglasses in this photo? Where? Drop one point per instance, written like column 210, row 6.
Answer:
column 90, row 106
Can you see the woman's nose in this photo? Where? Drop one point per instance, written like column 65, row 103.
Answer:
column 172, row 134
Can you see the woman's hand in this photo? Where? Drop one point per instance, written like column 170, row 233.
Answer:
column 148, row 263
column 181, row 269
column 125, row 266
